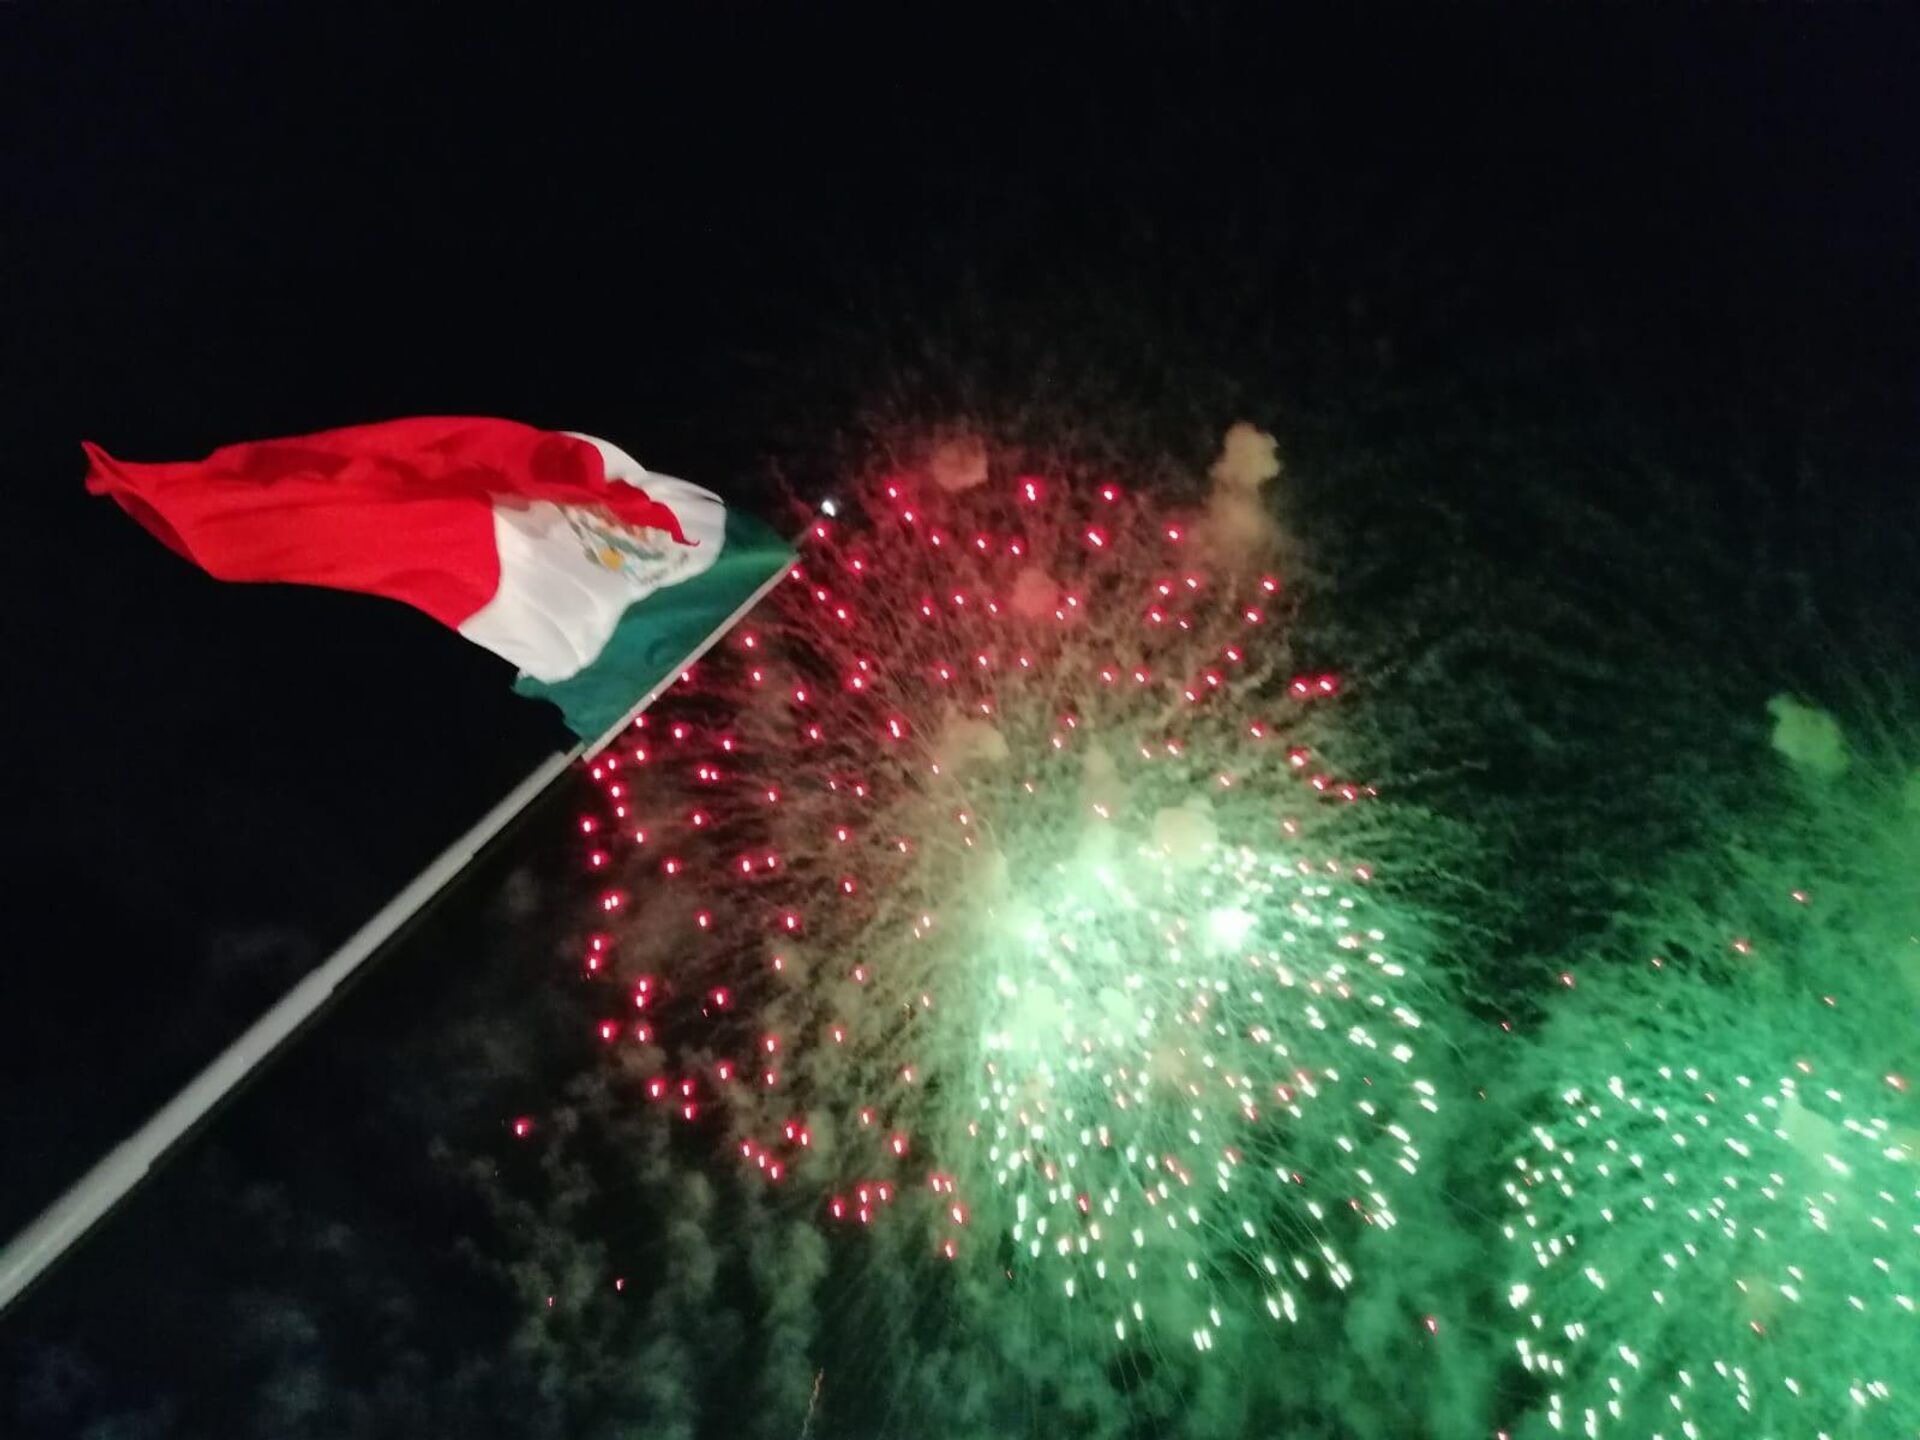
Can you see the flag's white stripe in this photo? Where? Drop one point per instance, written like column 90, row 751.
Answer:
column 565, row 579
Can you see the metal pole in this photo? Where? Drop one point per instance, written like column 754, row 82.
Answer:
column 91, row 1198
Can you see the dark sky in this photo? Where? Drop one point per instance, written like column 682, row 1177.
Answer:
column 677, row 228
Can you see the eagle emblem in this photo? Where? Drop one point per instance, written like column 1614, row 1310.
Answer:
column 640, row 554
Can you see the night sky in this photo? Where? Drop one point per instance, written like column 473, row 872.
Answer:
column 708, row 233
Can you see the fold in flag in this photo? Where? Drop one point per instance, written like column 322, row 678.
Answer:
column 556, row 551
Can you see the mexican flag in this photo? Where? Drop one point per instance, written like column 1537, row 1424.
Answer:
column 556, row 551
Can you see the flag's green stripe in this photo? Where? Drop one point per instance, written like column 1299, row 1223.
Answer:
column 658, row 633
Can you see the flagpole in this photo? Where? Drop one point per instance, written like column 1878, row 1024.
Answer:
column 89, row 1200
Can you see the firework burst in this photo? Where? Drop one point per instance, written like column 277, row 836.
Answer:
column 990, row 888
column 1714, row 1209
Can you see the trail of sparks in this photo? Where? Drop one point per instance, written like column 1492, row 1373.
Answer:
column 813, row 1404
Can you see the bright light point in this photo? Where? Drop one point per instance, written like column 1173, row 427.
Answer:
column 1230, row 927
